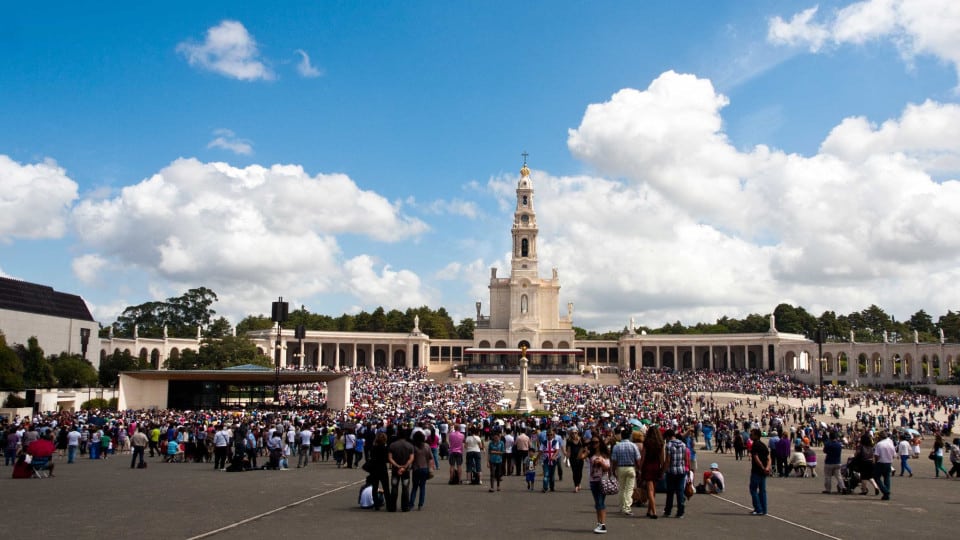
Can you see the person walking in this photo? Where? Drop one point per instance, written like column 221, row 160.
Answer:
column 759, row 471
column 576, row 453
column 625, row 458
column 883, row 454
column 599, row 458
column 550, row 454
column 955, row 458
column 905, row 449
column 832, row 450
column 678, row 463
column 937, row 454
column 73, row 443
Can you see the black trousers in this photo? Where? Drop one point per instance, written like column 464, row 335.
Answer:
column 399, row 486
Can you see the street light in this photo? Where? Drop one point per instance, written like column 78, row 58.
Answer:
column 819, row 336
column 279, row 310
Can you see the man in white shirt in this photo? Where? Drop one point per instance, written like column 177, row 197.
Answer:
column 904, row 449
column 303, row 456
column 884, row 452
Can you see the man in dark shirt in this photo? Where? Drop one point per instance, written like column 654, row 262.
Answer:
column 831, row 464
column 400, row 456
column 759, row 471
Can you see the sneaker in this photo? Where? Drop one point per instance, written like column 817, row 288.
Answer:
column 600, row 529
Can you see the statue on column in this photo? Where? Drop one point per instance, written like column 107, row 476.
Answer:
column 570, row 309
column 885, row 337
column 111, row 332
column 851, row 337
column 416, row 323
column 136, row 331
column 164, row 331
column 773, row 324
column 916, row 337
column 940, row 329
column 633, row 326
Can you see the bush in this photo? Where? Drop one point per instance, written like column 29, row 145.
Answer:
column 95, row 403
column 14, row 401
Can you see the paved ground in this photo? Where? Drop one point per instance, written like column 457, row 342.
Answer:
column 106, row 499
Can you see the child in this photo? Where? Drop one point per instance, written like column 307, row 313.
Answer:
column 530, row 470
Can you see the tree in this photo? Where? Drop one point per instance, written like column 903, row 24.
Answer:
column 254, row 322
column 950, row 324
column 181, row 315
column 794, row 320
column 72, row 371
column 11, row 367
column 112, row 365
column 466, row 327
column 218, row 328
column 37, row 369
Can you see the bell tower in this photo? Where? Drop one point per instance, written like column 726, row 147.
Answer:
column 523, row 262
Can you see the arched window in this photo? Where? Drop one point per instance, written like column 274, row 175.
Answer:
column 524, row 247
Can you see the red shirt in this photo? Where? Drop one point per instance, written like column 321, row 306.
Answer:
column 41, row 448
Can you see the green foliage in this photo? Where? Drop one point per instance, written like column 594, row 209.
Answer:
column 11, row 367
column 181, row 315
column 218, row 328
column 96, row 403
column 112, row 365
column 220, row 353
column 466, row 328
column 72, row 371
column 254, row 322
column 37, row 369
column 14, row 401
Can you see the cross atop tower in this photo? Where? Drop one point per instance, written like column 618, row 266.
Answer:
column 525, row 154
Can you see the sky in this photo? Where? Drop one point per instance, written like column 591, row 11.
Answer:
column 691, row 160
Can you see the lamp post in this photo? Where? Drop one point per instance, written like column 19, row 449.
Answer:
column 279, row 310
column 819, row 336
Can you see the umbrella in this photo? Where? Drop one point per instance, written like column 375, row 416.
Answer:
column 911, row 431
column 636, row 422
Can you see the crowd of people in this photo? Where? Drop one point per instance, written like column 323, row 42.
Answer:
column 400, row 423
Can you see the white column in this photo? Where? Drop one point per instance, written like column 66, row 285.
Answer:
column 336, row 356
column 711, row 358
column 675, row 362
column 658, row 363
column 729, row 363
column 353, row 359
column 409, row 359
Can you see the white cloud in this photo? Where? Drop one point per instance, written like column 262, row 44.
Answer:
column 228, row 50
column 304, row 67
column 916, row 27
column 391, row 289
column 34, row 199
column 697, row 229
column 248, row 232
column 87, row 267
column 227, row 140
column 454, row 207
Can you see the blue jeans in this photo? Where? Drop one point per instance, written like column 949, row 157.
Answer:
column 419, row 484
column 758, row 492
column 71, row 453
column 599, row 498
column 904, row 465
column 95, row 450
column 881, row 473
column 548, row 469
column 675, row 484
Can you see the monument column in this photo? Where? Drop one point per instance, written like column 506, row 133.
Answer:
column 523, row 401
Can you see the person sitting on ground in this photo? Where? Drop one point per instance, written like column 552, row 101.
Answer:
column 713, row 480
column 43, row 448
column 797, row 462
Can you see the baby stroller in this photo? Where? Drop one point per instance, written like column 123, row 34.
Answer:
column 851, row 478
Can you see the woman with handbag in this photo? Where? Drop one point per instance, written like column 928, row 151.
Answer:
column 599, row 460
column 937, row 456
column 422, row 464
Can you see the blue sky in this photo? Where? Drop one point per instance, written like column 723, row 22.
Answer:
column 691, row 159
